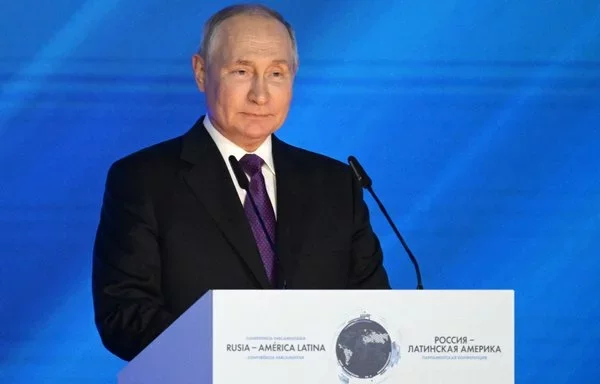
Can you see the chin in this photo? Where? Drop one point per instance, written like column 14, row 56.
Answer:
column 257, row 130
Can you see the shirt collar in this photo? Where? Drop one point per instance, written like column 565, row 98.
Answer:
column 228, row 148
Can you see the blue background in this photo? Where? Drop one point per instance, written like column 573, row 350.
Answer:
column 479, row 121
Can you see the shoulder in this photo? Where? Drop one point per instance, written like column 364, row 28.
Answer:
column 330, row 178
column 315, row 162
column 159, row 154
column 148, row 165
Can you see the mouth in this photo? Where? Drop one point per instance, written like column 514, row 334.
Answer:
column 256, row 115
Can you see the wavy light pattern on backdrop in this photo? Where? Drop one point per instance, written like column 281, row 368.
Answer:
column 478, row 120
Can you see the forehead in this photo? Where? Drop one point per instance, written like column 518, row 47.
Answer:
column 252, row 37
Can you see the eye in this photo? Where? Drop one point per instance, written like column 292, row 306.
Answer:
column 240, row 72
column 277, row 74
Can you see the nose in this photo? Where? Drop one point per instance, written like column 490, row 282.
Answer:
column 259, row 93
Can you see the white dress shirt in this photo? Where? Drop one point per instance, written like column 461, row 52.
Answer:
column 228, row 148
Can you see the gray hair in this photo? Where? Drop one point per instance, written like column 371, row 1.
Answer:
column 212, row 25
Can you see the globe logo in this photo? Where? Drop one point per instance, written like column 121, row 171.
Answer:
column 364, row 348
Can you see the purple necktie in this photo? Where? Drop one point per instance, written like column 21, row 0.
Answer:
column 252, row 164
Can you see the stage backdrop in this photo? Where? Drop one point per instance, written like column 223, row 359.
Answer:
column 479, row 121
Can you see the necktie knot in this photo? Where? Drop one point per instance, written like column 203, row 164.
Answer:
column 251, row 164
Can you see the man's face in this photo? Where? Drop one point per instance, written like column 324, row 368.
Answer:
column 248, row 78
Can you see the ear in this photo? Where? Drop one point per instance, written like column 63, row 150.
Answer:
column 199, row 67
column 297, row 67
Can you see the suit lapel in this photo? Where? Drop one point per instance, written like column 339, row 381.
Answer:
column 210, row 181
column 292, row 205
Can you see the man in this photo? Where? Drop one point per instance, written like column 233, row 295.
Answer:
column 175, row 222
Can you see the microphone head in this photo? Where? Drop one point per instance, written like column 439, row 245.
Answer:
column 359, row 172
column 240, row 176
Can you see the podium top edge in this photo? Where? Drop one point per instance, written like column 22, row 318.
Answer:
column 366, row 290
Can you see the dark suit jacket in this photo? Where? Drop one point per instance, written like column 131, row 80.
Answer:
column 172, row 227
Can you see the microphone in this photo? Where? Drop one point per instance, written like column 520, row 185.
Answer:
column 366, row 182
column 242, row 181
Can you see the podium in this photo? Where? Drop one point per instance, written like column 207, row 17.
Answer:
column 351, row 336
